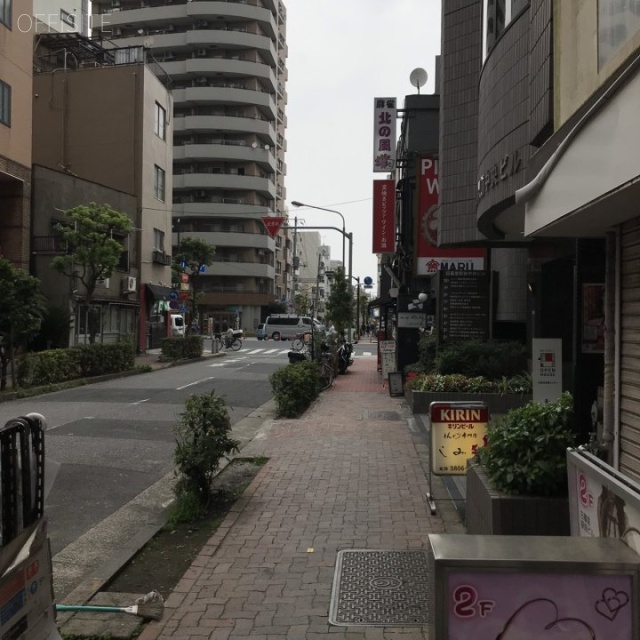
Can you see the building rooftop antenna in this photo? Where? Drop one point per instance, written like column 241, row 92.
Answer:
column 418, row 77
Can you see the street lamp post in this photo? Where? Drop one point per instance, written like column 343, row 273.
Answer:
column 295, row 203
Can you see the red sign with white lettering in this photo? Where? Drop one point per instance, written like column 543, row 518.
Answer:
column 273, row 225
column 384, row 215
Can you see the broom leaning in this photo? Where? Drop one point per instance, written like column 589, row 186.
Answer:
column 149, row 606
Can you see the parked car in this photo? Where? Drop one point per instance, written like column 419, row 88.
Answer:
column 261, row 332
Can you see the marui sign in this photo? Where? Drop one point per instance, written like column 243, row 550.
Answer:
column 273, row 225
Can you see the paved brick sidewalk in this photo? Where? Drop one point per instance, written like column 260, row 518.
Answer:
column 350, row 474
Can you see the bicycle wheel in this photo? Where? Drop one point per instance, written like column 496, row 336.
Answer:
column 297, row 344
column 236, row 345
column 326, row 376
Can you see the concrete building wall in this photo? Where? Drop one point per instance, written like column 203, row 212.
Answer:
column 15, row 138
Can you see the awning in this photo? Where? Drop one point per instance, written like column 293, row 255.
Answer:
column 159, row 292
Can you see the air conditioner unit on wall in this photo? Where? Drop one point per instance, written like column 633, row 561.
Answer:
column 129, row 284
column 103, row 282
column 201, row 52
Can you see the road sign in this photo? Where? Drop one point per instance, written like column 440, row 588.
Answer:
column 174, row 304
column 173, row 295
column 184, row 295
column 368, row 280
column 203, row 268
column 272, row 225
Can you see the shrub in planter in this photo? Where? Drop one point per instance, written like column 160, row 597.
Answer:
column 202, row 441
column 492, row 359
column 525, row 453
column 295, row 387
column 182, row 347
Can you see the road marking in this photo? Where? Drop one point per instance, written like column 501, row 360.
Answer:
column 191, row 384
column 272, row 351
column 367, row 353
column 250, row 353
column 141, row 401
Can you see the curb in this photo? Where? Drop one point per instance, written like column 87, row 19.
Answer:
column 151, row 508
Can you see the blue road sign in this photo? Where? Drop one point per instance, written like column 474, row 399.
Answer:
column 173, row 295
column 203, row 268
column 368, row 280
column 183, row 264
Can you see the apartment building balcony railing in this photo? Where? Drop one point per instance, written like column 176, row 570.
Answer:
column 54, row 244
column 160, row 257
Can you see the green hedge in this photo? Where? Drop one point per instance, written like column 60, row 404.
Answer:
column 84, row 361
column 182, row 348
column 295, row 387
column 492, row 359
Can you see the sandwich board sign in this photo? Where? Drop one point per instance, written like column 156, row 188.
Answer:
column 272, row 225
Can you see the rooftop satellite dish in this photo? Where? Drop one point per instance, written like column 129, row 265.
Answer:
column 418, row 78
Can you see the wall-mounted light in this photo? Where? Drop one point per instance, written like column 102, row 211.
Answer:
column 532, row 288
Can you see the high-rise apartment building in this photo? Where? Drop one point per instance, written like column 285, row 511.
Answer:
column 225, row 65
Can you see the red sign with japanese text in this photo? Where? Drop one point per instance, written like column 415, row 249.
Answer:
column 384, row 215
column 457, row 430
column 429, row 257
column 272, row 225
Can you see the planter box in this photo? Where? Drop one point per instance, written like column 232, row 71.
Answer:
column 491, row 512
column 419, row 401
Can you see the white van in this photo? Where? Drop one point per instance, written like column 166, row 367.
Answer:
column 177, row 325
column 286, row 326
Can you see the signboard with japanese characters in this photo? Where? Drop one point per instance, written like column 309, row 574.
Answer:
column 384, row 216
column 547, row 369
column 429, row 257
column 387, row 357
column 384, row 135
column 603, row 503
column 463, row 305
column 457, row 430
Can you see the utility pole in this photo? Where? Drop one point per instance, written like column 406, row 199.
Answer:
column 294, row 263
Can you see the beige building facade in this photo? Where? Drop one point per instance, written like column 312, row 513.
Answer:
column 16, row 61
column 111, row 125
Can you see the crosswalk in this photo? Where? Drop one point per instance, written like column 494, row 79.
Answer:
column 248, row 351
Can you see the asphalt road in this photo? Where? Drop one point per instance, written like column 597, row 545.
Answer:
column 114, row 439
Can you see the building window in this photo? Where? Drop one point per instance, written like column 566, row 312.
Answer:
column 5, row 12
column 161, row 122
column 158, row 183
column 158, row 240
column 5, row 103
column 496, row 17
column 618, row 23
column 68, row 18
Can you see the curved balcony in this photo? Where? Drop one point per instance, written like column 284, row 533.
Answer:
column 232, row 152
column 224, row 95
column 224, row 124
column 157, row 17
column 219, row 210
column 247, row 269
column 221, row 38
column 204, row 66
column 222, row 239
column 226, row 181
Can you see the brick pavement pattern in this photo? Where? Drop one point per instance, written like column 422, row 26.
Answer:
column 343, row 476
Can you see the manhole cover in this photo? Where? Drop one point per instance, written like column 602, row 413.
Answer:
column 381, row 588
column 382, row 415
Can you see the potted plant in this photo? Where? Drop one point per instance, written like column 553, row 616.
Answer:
column 517, row 484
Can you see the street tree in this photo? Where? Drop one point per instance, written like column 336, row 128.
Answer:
column 193, row 257
column 340, row 303
column 93, row 235
column 302, row 303
column 21, row 312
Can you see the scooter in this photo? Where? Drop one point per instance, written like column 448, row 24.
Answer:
column 345, row 356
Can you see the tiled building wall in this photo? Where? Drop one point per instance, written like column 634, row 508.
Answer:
column 461, row 63
column 540, row 71
column 503, row 131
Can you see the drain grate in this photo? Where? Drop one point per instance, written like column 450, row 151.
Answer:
column 381, row 588
column 382, row 415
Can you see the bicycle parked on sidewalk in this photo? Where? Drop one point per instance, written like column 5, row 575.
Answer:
column 324, row 364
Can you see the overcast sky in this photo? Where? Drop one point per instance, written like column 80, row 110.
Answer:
column 342, row 55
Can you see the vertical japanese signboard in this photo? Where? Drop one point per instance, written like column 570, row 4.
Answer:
column 384, row 135
column 457, row 430
column 463, row 305
column 429, row 257
column 384, row 216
